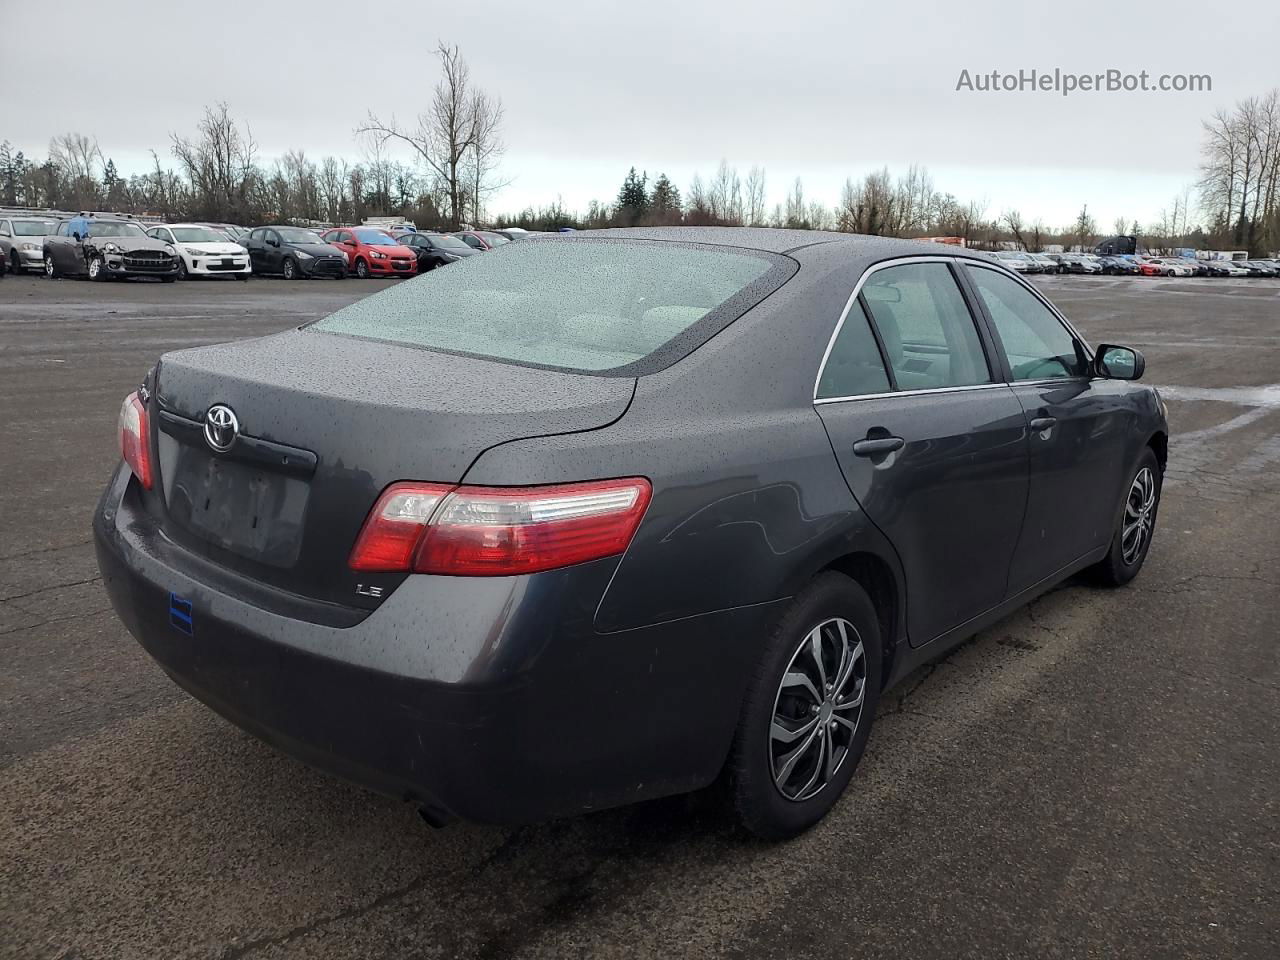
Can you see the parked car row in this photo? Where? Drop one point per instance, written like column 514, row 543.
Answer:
column 106, row 246
column 1146, row 266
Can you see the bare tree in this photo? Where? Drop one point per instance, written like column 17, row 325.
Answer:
column 725, row 195
column 1012, row 219
column 486, row 152
column 755, row 213
column 796, row 215
column 333, row 187
column 77, row 159
column 1037, row 236
column 445, row 131
column 1084, row 230
column 697, row 205
column 221, row 165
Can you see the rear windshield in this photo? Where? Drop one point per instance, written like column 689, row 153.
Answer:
column 583, row 305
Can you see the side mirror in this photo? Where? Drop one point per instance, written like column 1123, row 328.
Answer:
column 1119, row 363
column 272, row 241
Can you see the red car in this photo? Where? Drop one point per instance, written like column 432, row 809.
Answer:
column 372, row 253
column 1153, row 268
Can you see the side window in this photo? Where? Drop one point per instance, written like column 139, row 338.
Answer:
column 1038, row 346
column 928, row 333
column 471, row 241
column 4, row 228
column 854, row 366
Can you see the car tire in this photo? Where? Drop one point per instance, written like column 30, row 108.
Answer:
column 289, row 269
column 362, row 269
column 1141, row 504
column 94, row 269
column 15, row 263
column 50, row 268
column 779, row 791
column 182, row 270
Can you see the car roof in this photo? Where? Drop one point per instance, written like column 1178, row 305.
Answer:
column 773, row 240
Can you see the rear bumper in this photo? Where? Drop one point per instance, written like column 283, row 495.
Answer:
column 492, row 699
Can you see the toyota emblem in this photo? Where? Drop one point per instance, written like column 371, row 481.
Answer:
column 220, row 428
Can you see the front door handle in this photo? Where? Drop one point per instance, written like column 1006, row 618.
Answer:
column 870, row 448
column 1043, row 423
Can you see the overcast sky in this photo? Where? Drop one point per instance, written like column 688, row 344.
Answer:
column 818, row 90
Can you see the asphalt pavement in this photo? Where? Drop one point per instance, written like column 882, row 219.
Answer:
column 1094, row 776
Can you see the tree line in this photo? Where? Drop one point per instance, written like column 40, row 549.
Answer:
column 217, row 173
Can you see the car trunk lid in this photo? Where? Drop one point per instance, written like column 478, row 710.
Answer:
column 323, row 423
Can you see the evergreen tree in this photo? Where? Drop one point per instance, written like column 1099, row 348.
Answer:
column 17, row 176
column 633, row 198
column 664, row 201
column 8, row 182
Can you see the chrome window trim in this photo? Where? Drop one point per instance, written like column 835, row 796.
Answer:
column 835, row 334
column 818, row 401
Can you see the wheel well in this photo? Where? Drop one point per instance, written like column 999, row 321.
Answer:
column 874, row 576
column 1159, row 442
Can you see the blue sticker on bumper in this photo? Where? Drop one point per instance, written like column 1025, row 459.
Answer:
column 180, row 614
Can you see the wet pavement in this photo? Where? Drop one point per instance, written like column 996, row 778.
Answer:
column 1096, row 775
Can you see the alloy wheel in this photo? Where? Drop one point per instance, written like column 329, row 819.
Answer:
column 48, row 265
column 288, row 270
column 95, row 268
column 817, row 709
column 1139, row 516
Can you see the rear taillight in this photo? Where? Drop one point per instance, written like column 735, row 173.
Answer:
column 499, row 531
column 134, row 445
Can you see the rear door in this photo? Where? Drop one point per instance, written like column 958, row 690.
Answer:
column 254, row 244
column 1077, row 427
column 932, row 443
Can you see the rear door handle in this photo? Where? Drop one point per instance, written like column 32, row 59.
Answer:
column 1043, row 423
column 869, row 448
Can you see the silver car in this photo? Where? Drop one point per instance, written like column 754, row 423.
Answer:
column 22, row 242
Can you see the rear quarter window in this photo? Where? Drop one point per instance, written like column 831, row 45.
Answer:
column 603, row 306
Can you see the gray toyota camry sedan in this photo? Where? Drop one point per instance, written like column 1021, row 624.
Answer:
column 609, row 516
